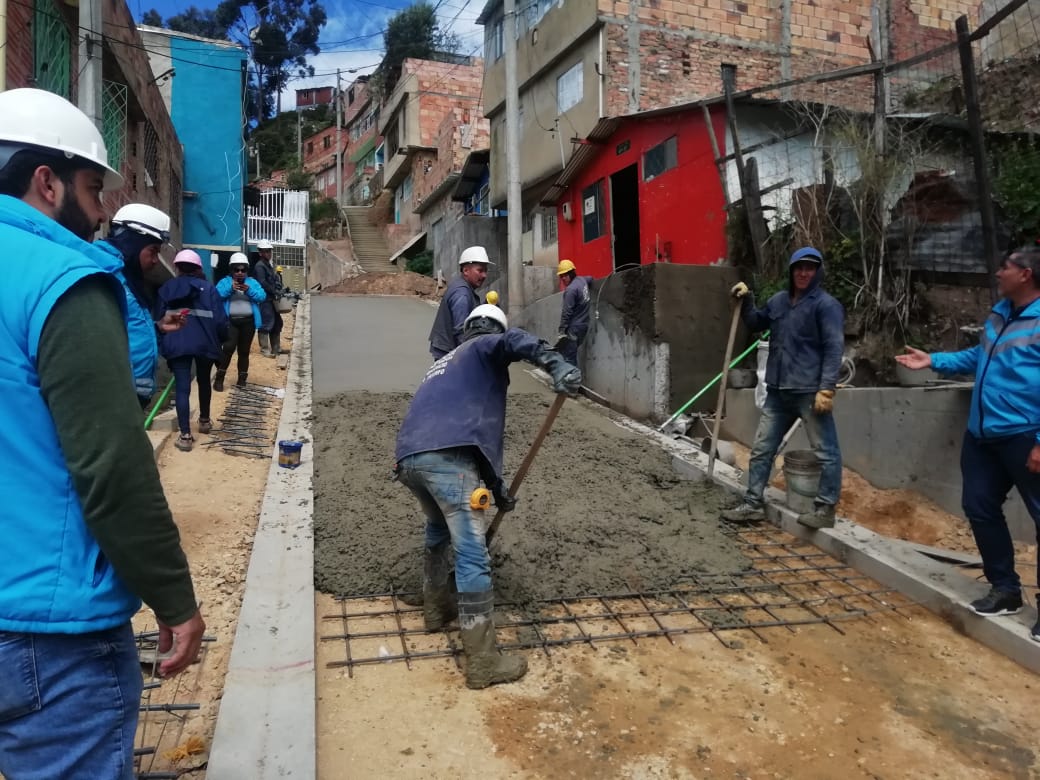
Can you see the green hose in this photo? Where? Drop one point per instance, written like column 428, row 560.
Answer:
column 711, row 384
column 158, row 405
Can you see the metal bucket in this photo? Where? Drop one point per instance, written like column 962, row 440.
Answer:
column 283, row 305
column 802, row 474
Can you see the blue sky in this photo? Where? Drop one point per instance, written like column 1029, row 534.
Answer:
column 352, row 39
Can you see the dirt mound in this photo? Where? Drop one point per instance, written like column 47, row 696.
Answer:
column 601, row 511
column 403, row 283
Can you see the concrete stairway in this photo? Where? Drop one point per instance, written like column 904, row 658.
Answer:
column 369, row 245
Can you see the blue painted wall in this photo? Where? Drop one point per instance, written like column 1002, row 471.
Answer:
column 206, row 108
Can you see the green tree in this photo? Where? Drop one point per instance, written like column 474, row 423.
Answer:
column 412, row 32
column 152, row 18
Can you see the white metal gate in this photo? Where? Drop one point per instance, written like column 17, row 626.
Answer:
column 281, row 218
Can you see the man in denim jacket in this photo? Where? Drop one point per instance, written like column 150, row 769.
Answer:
column 807, row 328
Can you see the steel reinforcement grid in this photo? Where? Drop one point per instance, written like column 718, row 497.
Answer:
column 789, row 583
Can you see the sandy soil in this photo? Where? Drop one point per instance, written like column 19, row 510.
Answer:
column 602, row 510
column 215, row 499
column 403, row 283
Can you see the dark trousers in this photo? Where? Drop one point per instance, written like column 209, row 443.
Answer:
column 989, row 469
column 569, row 348
column 270, row 319
column 240, row 338
column 181, row 368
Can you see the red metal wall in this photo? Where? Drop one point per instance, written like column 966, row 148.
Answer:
column 681, row 209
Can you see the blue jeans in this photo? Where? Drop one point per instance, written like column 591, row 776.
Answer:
column 181, row 368
column 570, row 348
column 443, row 481
column 782, row 408
column 989, row 469
column 69, row 705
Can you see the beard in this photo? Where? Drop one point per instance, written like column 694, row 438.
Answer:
column 73, row 218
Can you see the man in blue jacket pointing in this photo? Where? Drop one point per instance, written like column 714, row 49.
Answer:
column 450, row 442
column 807, row 339
column 1002, row 444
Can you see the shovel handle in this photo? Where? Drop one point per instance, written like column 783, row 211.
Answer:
column 518, row 478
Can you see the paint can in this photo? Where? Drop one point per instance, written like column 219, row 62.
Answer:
column 802, row 474
column 289, row 454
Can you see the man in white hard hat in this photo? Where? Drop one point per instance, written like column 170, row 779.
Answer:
column 450, row 442
column 138, row 233
column 460, row 298
column 87, row 532
column 270, row 331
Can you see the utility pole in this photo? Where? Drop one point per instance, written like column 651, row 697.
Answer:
column 89, row 89
column 514, row 206
column 339, row 157
column 299, row 137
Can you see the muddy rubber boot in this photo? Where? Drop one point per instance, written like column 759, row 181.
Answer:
column 242, row 377
column 218, row 380
column 276, row 345
column 821, row 516
column 265, row 344
column 440, row 606
column 484, row 664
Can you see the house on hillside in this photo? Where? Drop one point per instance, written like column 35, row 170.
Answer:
column 584, row 61
column 364, row 153
column 39, row 47
column 202, row 86
column 309, row 97
column 319, row 160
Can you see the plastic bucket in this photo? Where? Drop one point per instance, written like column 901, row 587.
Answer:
column 802, row 474
column 289, row 454
column 283, row 305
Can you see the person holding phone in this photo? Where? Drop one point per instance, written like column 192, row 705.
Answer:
column 242, row 296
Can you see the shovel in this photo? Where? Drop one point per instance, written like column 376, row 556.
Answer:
column 518, row 478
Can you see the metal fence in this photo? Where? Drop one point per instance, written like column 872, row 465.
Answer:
column 921, row 165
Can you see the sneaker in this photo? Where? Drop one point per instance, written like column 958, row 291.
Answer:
column 822, row 516
column 184, row 442
column 744, row 513
column 205, row 426
column 998, row 602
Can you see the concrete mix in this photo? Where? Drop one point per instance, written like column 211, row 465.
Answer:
column 600, row 512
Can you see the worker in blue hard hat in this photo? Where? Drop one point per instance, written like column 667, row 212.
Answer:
column 806, row 342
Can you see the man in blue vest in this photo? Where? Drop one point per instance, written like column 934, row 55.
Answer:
column 1001, row 447
column 450, row 442
column 460, row 298
column 87, row 530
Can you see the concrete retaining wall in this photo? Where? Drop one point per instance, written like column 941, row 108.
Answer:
column 895, row 437
column 329, row 268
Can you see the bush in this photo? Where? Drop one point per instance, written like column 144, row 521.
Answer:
column 323, row 209
column 421, row 263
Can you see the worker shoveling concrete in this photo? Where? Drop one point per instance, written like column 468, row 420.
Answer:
column 601, row 510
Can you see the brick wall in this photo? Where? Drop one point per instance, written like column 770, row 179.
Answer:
column 361, row 100
column 442, row 86
column 19, row 46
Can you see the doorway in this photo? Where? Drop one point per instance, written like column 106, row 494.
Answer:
column 624, row 213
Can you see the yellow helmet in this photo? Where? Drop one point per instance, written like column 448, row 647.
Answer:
column 492, row 298
column 278, row 268
column 565, row 267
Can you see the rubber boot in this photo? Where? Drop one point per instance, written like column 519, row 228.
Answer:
column 265, row 344
column 218, row 380
column 484, row 664
column 276, row 345
column 242, row 376
column 821, row 516
column 439, row 599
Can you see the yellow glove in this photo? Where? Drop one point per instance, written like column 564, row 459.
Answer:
column 739, row 290
column 824, row 402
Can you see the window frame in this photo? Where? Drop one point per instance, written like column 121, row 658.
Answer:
column 669, row 151
column 577, row 73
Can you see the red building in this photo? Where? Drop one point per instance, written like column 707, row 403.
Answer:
column 315, row 96
column 642, row 189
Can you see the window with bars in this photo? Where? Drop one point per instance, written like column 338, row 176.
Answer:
column 548, row 229
column 52, row 49
column 176, row 196
column 151, row 156
column 113, row 113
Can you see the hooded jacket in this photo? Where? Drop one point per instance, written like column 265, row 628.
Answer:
column 807, row 336
column 206, row 327
column 1005, row 400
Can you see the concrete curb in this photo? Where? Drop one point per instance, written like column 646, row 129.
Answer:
column 902, row 566
column 266, row 725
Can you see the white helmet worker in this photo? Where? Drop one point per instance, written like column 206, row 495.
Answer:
column 40, row 120
column 238, row 259
column 144, row 219
column 263, row 244
column 474, row 254
column 486, row 318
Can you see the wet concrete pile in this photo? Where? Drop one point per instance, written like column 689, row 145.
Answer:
column 601, row 510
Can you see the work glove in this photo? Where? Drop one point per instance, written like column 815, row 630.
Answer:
column 504, row 501
column 566, row 378
column 739, row 290
column 561, row 339
column 823, row 403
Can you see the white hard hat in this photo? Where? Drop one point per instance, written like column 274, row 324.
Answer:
column 238, row 259
column 489, row 311
column 35, row 118
column 264, row 244
column 144, row 219
column 474, row 254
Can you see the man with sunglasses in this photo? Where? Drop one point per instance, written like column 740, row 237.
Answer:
column 1001, row 447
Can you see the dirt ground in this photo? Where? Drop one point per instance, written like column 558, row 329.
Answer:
column 602, row 510
column 403, row 283
column 215, row 500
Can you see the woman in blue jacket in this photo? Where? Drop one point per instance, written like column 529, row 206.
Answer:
column 198, row 342
column 242, row 296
